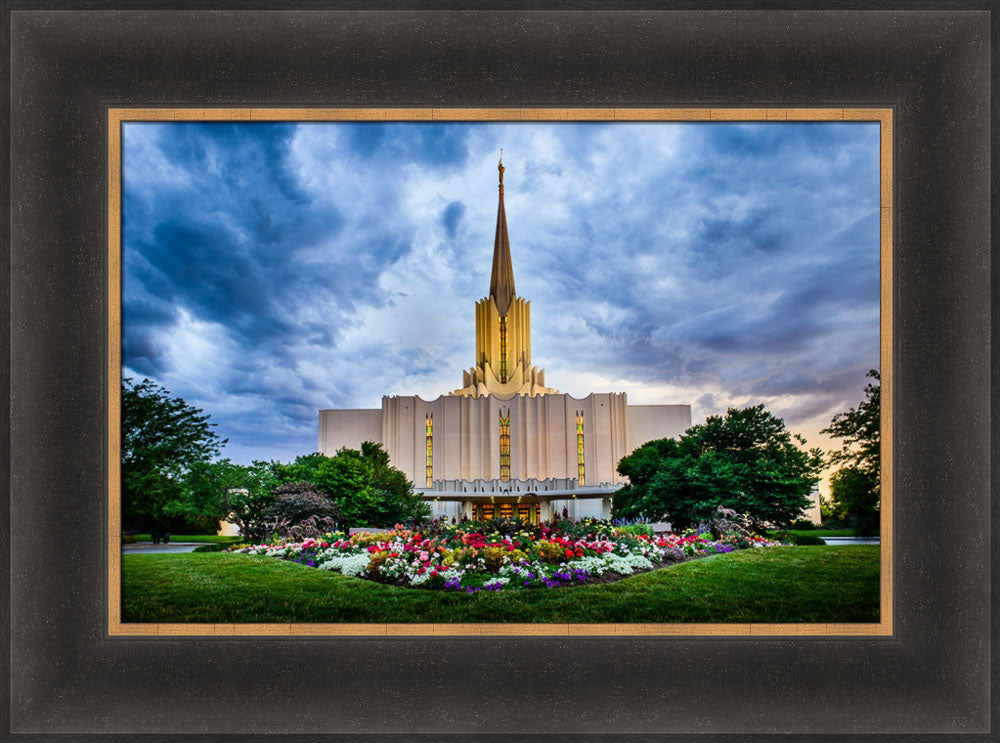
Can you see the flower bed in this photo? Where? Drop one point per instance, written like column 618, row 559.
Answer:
column 466, row 558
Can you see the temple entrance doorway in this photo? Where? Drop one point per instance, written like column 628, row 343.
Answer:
column 526, row 510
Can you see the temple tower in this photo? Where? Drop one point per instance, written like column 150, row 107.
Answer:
column 503, row 330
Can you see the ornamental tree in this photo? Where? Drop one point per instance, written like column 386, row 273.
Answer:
column 746, row 461
column 295, row 502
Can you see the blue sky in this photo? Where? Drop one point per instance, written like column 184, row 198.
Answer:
column 271, row 270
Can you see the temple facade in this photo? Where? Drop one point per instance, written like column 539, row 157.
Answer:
column 503, row 443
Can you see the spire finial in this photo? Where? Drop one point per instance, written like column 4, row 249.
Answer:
column 501, row 169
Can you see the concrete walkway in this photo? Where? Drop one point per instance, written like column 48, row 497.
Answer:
column 851, row 540
column 148, row 548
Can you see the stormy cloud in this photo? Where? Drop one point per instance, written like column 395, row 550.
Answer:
column 271, row 270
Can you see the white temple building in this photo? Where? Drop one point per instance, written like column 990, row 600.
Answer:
column 504, row 443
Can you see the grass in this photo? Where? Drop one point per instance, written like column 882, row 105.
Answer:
column 779, row 584
column 199, row 538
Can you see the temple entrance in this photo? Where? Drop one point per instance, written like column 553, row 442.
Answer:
column 504, row 509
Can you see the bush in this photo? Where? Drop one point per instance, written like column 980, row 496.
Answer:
column 803, row 524
column 494, row 557
column 313, row 527
column 727, row 523
column 806, row 539
column 211, row 548
column 128, row 538
column 375, row 562
column 550, row 552
column 635, row 529
column 297, row 501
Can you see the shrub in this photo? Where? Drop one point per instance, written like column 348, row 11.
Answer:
column 517, row 557
column 803, row 524
column 211, row 548
column 298, row 501
column 199, row 524
column 806, row 539
column 673, row 554
column 128, row 538
column 727, row 523
column 313, row 527
column 634, row 529
column 587, row 527
column 494, row 557
column 365, row 538
column 374, row 566
column 550, row 552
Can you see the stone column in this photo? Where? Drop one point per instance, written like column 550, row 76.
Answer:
column 545, row 510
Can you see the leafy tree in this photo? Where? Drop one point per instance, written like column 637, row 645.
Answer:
column 861, row 430
column 368, row 490
column 746, row 461
column 855, row 499
column 162, row 438
column 209, row 485
column 249, row 504
column 855, row 489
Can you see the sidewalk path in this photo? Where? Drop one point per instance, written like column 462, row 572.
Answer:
column 148, row 548
column 851, row 540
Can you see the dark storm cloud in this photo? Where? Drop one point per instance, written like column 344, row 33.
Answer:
column 218, row 226
column 774, row 252
column 271, row 270
column 452, row 217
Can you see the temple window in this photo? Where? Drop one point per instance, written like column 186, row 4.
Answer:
column 505, row 447
column 580, row 467
column 503, row 349
column 429, row 426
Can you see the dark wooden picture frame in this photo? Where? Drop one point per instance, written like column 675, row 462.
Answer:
column 67, row 675
column 119, row 117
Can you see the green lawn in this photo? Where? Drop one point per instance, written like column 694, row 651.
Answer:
column 780, row 584
column 200, row 538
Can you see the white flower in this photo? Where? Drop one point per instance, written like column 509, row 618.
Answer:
column 350, row 564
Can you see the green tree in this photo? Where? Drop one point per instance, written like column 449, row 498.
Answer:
column 855, row 489
column 250, row 503
column 368, row 490
column 208, row 487
column 747, row 461
column 162, row 438
column 855, row 500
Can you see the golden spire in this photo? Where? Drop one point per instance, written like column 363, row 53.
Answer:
column 502, row 278
column 500, row 168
